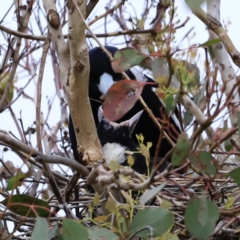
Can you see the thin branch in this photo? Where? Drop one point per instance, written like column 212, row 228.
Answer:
column 126, row 77
column 47, row 169
column 91, row 5
column 19, row 146
column 109, row 11
column 214, row 24
column 22, row 28
column 99, row 35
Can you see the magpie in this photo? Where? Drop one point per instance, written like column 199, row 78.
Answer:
column 116, row 139
column 101, row 77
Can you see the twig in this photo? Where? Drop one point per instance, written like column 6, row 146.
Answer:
column 38, row 175
column 19, row 93
column 91, row 5
column 125, row 75
column 213, row 24
column 109, row 11
column 100, row 35
column 17, row 125
column 19, row 146
column 22, row 28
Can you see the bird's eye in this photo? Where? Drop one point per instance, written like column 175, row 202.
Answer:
column 107, row 126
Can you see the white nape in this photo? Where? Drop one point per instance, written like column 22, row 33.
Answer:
column 106, row 81
column 114, row 151
column 140, row 73
column 139, row 76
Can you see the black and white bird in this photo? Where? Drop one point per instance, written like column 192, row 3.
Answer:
column 101, row 78
column 116, row 139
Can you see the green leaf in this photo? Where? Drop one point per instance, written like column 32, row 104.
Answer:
column 113, row 165
column 235, row 175
column 3, row 84
column 181, row 150
column 229, row 203
column 40, row 230
column 204, row 162
column 166, row 204
column 126, row 58
column 149, row 145
column 140, row 138
column 170, row 103
column 187, row 118
column 160, row 71
column 190, row 73
column 26, row 205
column 144, row 151
column 203, row 214
column 112, row 206
column 149, row 194
column 228, row 145
column 158, row 219
column 130, row 160
column 4, row 233
column 52, row 232
column 101, row 234
column 211, row 42
column 16, row 181
column 73, row 230
column 200, row 217
column 239, row 124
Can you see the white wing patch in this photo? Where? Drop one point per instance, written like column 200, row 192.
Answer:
column 138, row 74
column 114, row 151
column 106, row 81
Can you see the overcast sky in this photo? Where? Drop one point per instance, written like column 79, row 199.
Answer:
column 229, row 13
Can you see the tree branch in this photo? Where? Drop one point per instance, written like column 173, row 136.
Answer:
column 19, row 146
column 213, row 24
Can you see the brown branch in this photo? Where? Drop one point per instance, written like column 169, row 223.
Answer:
column 19, row 146
column 39, row 94
column 100, row 35
column 47, row 169
column 109, row 11
column 126, row 77
column 22, row 27
column 213, row 24
column 76, row 86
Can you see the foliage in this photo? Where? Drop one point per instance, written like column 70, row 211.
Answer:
column 196, row 193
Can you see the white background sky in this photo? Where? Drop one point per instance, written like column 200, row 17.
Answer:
column 229, row 12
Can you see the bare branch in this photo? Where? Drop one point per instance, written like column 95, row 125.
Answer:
column 91, row 5
column 213, row 24
column 19, row 146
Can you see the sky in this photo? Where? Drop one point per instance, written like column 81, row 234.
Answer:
column 229, row 13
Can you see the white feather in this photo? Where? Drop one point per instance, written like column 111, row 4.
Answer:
column 106, row 81
column 100, row 114
column 114, row 151
column 138, row 74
